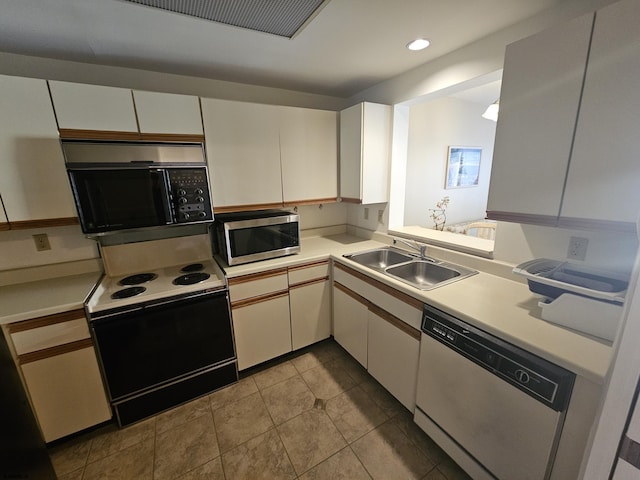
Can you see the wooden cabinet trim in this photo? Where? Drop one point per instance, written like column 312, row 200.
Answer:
column 257, row 276
column 39, row 322
column 78, row 134
column 4, row 226
column 242, row 208
column 409, row 300
column 350, row 200
column 308, row 282
column 54, row 351
column 396, row 322
column 313, row 201
column 259, row 299
column 42, row 223
column 352, row 294
column 309, row 265
column 172, row 137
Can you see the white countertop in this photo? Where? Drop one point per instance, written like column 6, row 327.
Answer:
column 45, row 297
column 505, row 308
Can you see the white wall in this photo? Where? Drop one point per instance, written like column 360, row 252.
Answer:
column 356, row 216
column 325, row 215
column 433, row 127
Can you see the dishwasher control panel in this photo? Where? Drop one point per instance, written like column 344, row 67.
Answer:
column 533, row 375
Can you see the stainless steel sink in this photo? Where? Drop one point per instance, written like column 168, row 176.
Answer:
column 419, row 272
column 380, row 259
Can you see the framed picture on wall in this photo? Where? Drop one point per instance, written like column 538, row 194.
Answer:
column 463, row 167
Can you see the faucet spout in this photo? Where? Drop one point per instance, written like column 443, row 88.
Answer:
column 418, row 247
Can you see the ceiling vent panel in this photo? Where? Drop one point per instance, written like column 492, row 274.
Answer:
column 278, row 17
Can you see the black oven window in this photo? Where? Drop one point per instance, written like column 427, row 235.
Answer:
column 247, row 241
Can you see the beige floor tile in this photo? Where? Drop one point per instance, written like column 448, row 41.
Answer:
column 76, row 475
column 209, row 471
column 344, row 465
column 452, row 471
column 386, row 453
column 239, row 421
column 435, row 474
column 382, row 397
column 354, row 413
column 404, row 421
column 70, row 456
column 351, row 366
column 185, row 447
column 326, row 383
column 306, row 361
column 135, row 461
column 327, row 350
column 310, row 438
column 182, row 414
column 232, row 393
column 274, row 375
column 113, row 439
column 288, row 399
column 262, row 457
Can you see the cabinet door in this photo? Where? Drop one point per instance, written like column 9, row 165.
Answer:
column 93, row 107
column 168, row 113
column 538, row 109
column 393, row 350
column 33, row 182
column 4, row 223
column 262, row 330
column 67, row 393
column 350, row 322
column 309, row 155
column 243, row 152
column 310, row 313
column 365, row 139
column 604, row 174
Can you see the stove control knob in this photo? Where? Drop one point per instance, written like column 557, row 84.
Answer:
column 198, row 191
column 182, row 192
column 200, row 199
column 187, row 216
column 182, row 200
column 202, row 214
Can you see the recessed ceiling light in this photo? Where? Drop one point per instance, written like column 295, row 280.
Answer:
column 418, row 44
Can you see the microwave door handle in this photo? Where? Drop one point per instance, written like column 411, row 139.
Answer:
column 166, row 196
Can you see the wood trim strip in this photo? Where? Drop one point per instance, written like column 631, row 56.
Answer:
column 172, row 137
column 43, row 223
column 262, row 298
column 352, row 294
column 608, row 225
column 79, row 134
column 40, row 322
column 408, row 299
column 313, row 201
column 4, row 226
column 257, row 276
column 396, row 322
column 242, row 208
column 544, row 220
column 308, row 282
column 54, row 351
column 350, row 200
column 309, row 265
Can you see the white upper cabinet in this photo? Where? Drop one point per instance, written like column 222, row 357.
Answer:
column 539, row 104
column 309, row 154
column 93, row 107
column 33, row 179
column 604, row 173
column 4, row 223
column 365, row 143
column 168, row 113
column 243, row 153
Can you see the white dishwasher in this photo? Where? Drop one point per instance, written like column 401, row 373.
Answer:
column 495, row 408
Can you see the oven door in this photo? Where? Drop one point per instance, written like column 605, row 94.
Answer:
column 117, row 199
column 158, row 344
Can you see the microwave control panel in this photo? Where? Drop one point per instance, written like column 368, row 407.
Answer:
column 190, row 194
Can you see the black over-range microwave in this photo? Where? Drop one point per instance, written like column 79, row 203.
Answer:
column 244, row 237
column 125, row 185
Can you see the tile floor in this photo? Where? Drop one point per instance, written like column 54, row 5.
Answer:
column 313, row 415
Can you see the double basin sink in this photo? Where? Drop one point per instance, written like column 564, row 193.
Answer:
column 423, row 273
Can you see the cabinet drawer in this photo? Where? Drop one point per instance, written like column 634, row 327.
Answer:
column 46, row 332
column 308, row 271
column 258, row 284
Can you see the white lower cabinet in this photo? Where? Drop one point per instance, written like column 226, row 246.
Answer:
column 380, row 327
column 350, row 322
column 60, row 371
column 393, row 350
column 262, row 329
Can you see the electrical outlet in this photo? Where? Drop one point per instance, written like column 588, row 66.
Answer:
column 577, row 248
column 366, row 213
column 380, row 215
column 42, row 242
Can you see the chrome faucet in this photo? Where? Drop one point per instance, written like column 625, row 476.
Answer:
column 418, row 247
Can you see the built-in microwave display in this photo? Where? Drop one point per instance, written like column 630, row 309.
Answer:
column 250, row 236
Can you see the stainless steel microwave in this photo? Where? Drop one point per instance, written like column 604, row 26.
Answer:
column 244, row 237
column 125, row 185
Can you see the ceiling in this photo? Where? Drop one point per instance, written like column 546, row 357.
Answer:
column 348, row 46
